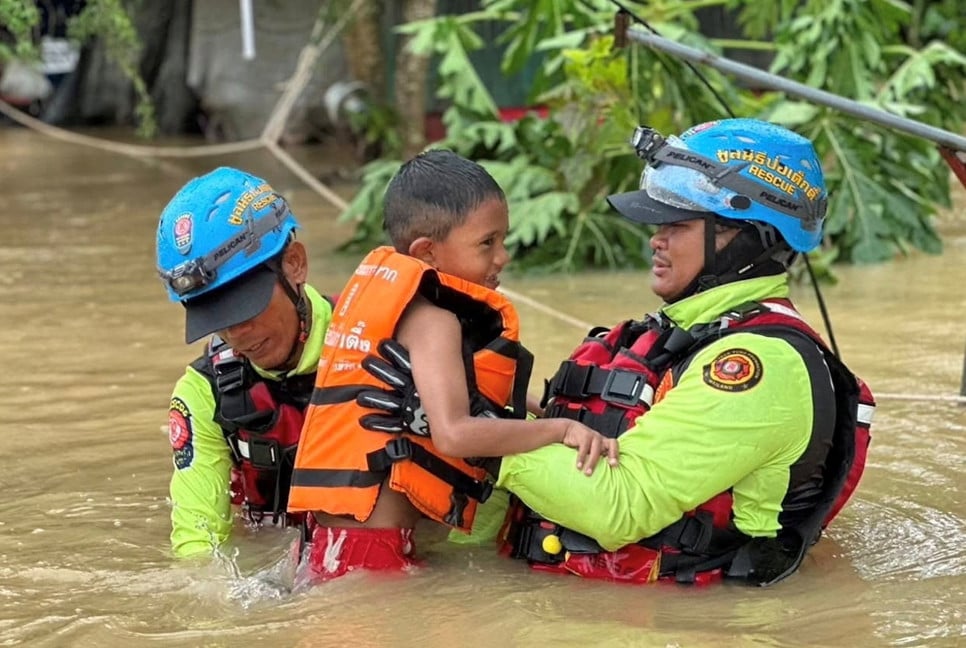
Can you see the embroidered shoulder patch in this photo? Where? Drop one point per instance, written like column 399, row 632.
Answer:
column 179, row 433
column 733, row 370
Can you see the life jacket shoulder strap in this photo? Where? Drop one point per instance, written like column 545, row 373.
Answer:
column 229, row 375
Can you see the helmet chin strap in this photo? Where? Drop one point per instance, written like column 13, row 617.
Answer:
column 297, row 297
column 769, row 255
column 705, row 279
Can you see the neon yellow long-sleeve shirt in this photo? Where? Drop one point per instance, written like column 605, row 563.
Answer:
column 700, row 440
column 201, row 513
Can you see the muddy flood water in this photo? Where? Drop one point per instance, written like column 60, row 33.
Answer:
column 91, row 348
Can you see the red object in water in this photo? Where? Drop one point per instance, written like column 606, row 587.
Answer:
column 435, row 130
column 956, row 161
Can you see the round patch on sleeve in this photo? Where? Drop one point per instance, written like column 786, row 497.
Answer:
column 733, row 370
column 179, row 433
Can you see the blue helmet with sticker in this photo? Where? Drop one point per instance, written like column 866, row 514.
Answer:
column 217, row 241
column 741, row 169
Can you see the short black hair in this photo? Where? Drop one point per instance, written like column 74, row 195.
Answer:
column 432, row 193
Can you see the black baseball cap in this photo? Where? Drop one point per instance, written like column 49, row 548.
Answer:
column 234, row 303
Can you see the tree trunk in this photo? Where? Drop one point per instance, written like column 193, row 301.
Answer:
column 364, row 53
column 411, row 73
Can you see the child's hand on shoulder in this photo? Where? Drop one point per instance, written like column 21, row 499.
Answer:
column 590, row 445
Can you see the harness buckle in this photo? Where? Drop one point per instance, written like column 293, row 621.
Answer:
column 229, row 373
column 399, row 449
column 486, row 489
column 458, row 502
column 263, row 453
column 623, row 387
column 529, row 544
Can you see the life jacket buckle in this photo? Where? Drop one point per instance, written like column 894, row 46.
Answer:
column 486, row 489
column 229, row 373
column 263, row 453
column 529, row 543
column 458, row 502
column 623, row 387
column 399, row 449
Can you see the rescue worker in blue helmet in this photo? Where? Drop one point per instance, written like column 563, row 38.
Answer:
column 741, row 433
column 226, row 251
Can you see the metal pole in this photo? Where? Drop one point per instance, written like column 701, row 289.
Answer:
column 775, row 82
column 247, row 29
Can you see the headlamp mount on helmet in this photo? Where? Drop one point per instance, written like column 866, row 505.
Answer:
column 190, row 275
column 646, row 141
column 200, row 272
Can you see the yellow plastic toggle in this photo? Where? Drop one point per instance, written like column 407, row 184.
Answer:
column 551, row 545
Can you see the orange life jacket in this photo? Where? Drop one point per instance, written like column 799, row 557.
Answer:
column 340, row 466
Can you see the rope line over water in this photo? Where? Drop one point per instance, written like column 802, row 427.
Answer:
column 269, row 139
column 519, row 298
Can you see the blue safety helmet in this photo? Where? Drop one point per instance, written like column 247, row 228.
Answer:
column 740, row 169
column 218, row 243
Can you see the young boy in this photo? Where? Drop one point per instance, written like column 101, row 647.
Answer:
column 435, row 294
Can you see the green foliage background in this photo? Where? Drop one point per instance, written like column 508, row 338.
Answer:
column 18, row 17
column 107, row 20
column 884, row 186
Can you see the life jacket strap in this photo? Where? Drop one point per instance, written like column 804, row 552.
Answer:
column 611, row 423
column 691, row 534
column 619, row 386
column 402, row 449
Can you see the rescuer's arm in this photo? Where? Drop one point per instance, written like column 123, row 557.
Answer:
column 201, row 516
column 704, row 437
column 434, row 340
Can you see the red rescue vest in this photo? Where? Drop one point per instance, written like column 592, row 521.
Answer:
column 615, row 376
column 261, row 420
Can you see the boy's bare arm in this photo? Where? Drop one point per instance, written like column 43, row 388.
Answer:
column 434, row 340
column 533, row 405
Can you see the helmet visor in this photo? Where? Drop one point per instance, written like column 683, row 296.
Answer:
column 684, row 187
column 670, row 193
column 228, row 305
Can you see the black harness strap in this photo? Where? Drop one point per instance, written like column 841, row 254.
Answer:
column 335, row 478
column 402, row 448
column 611, row 422
column 231, row 377
column 521, row 381
column 335, row 395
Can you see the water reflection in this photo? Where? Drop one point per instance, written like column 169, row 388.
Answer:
column 92, row 348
